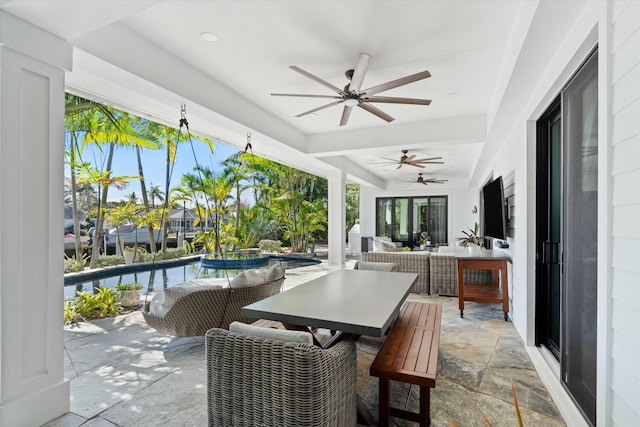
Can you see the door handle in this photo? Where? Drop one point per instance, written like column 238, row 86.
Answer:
column 550, row 252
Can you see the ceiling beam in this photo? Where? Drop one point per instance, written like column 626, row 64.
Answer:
column 447, row 130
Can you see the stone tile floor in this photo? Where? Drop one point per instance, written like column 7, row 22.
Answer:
column 123, row 373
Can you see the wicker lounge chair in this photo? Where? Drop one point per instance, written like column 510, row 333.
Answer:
column 209, row 306
column 254, row 381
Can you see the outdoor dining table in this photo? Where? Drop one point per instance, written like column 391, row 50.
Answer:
column 350, row 302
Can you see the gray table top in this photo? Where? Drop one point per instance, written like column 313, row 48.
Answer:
column 359, row 302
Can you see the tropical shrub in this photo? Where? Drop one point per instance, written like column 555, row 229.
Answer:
column 270, row 245
column 72, row 265
column 87, row 306
column 128, row 286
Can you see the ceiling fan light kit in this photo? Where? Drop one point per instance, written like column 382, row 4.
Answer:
column 351, row 96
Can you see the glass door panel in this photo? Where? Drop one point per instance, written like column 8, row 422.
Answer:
column 384, row 214
column 402, row 220
column 580, row 221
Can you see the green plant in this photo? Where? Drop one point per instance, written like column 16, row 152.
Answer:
column 128, row 286
column 87, row 306
column 472, row 237
column 70, row 311
column 71, row 264
column 269, row 245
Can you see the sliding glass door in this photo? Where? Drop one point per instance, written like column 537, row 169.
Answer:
column 406, row 219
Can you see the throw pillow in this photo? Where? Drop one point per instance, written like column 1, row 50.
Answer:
column 276, row 271
column 376, row 266
column 249, row 278
column 282, row 335
column 162, row 302
column 390, row 247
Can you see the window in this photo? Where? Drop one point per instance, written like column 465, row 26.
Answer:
column 403, row 219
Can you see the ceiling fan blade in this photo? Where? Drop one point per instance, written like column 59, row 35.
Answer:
column 317, row 79
column 376, row 111
column 395, row 83
column 399, row 166
column 319, row 108
column 345, row 115
column 359, row 72
column 416, row 162
column 306, row 96
column 410, row 158
column 396, row 100
column 428, row 159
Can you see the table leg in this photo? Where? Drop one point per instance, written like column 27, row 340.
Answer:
column 461, row 287
column 384, row 394
column 504, row 283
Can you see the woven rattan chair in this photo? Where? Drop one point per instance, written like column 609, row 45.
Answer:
column 203, row 309
column 254, row 381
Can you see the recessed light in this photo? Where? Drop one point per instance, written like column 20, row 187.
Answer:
column 209, row 37
column 452, row 95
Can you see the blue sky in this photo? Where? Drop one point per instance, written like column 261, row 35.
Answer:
column 154, row 164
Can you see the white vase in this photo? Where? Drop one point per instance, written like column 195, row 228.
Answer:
column 128, row 257
column 474, row 249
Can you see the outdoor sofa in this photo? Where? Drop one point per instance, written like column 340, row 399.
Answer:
column 437, row 272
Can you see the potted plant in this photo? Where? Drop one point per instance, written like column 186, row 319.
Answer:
column 129, row 254
column 472, row 240
column 425, row 240
column 128, row 293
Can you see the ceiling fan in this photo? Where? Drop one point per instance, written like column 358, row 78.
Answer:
column 425, row 181
column 405, row 159
column 352, row 96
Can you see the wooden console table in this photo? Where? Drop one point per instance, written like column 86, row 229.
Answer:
column 495, row 292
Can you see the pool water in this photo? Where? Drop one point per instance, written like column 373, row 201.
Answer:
column 162, row 278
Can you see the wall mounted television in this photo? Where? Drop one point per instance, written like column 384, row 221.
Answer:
column 494, row 211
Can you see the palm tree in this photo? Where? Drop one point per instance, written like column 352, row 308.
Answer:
column 235, row 171
column 171, row 137
column 107, row 135
column 155, row 193
column 78, row 116
column 217, row 190
column 132, row 198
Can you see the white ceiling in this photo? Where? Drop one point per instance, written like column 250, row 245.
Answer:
column 147, row 56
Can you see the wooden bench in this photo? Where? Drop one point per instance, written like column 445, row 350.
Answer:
column 409, row 354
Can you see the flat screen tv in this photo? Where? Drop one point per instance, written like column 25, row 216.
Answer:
column 495, row 221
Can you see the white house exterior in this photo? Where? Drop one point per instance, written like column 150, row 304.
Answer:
column 32, row 387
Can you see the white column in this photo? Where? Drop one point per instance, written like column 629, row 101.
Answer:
column 32, row 63
column 337, row 233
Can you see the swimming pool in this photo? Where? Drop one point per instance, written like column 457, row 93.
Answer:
column 160, row 277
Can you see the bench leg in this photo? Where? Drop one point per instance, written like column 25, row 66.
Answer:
column 425, row 406
column 383, row 402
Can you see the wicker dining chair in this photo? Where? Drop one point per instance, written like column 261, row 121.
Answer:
column 255, row 381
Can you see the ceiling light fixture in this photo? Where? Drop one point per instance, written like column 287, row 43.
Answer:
column 209, row 37
column 351, row 102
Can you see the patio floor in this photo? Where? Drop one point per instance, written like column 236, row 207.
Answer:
column 124, row 373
